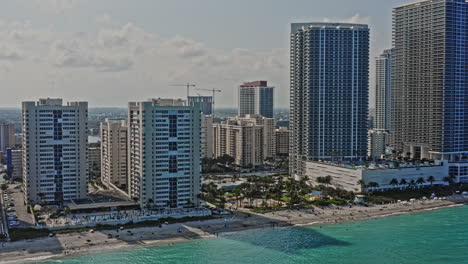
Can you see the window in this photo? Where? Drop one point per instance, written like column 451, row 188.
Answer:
column 172, row 164
column 172, row 146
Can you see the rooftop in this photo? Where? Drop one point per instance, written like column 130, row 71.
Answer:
column 254, row 84
column 422, row 1
column 380, row 165
column 301, row 26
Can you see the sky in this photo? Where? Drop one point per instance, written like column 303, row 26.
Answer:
column 110, row 52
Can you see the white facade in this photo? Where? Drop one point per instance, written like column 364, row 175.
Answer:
column 377, row 143
column 114, row 157
column 347, row 177
column 164, row 153
column 55, row 137
column 207, row 136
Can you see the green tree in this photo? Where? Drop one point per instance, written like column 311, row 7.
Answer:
column 412, row 184
column 324, row 180
column 292, row 190
column 394, row 182
column 431, row 179
column 420, row 180
column 362, row 184
column 447, row 180
column 373, row 185
column 237, row 193
column 403, row 182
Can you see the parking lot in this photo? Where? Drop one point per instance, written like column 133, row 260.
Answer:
column 17, row 214
column 3, row 218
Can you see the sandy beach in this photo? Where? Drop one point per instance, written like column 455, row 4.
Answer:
column 101, row 241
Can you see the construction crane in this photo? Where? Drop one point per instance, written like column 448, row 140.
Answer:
column 213, row 100
column 188, row 85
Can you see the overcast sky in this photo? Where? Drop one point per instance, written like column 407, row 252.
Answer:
column 109, row 52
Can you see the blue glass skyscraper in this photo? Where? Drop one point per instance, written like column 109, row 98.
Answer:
column 329, row 92
column 430, row 82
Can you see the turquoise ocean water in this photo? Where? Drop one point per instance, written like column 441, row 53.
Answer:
column 439, row 236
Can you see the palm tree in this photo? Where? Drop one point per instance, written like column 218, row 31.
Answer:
column 236, row 192
column 394, row 182
column 362, row 184
column 278, row 189
column 293, row 192
column 373, row 185
column 403, row 182
column 149, row 204
column 420, row 180
column 431, row 179
column 447, row 180
column 412, row 183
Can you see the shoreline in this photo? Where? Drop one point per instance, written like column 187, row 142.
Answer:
column 77, row 244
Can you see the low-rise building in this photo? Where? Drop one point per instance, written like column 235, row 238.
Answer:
column 249, row 139
column 377, row 176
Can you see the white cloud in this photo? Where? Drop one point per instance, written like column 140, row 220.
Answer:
column 185, row 48
column 355, row 19
column 104, row 19
column 75, row 54
column 10, row 53
column 57, row 6
column 128, row 59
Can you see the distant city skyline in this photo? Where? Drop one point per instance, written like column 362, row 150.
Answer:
column 83, row 50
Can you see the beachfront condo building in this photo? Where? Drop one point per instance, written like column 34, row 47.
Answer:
column 378, row 135
column 256, row 98
column 430, row 89
column 7, row 136
column 329, row 87
column 164, row 153
column 55, row 137
column 383, row 91
column 249, row 139
column 114, row 153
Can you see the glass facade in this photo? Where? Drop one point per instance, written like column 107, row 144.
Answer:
column 329, row 92
column 455, row 135
column 430, row 86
